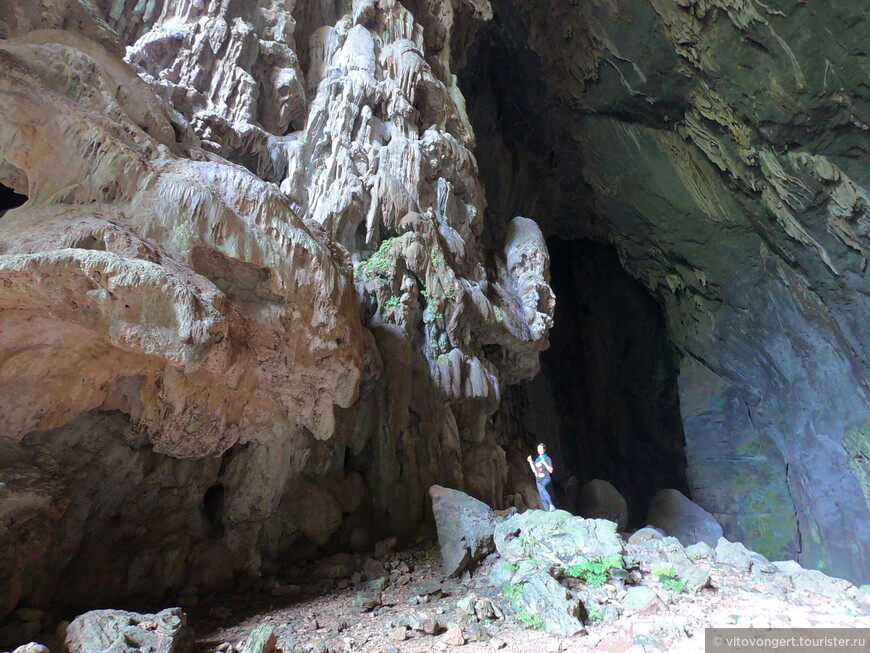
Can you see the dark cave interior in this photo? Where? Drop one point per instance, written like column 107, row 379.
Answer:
column 611, row 376
column 9, row 199
column 606, row 399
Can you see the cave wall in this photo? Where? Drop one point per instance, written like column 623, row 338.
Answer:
column 721, row 148
column 245, row 312
column 257, row 263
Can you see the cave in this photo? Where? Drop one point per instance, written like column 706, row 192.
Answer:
column 615, row 154
column 9, row 199
column 606, row 399
column 352, row 250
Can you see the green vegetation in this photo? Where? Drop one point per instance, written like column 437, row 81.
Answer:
column 594, row 571
column 499, row 314
column 668, row 577
column 392, row 304
column 527, row 541
column 593, row 612
column 530, row 620
column 376, row 266
column 513, row 593
column 509, row 566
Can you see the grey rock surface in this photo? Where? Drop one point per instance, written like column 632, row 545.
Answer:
column 598, row 499
column 543, row 597
column 677, row 515
column 99, row 631
column 465, row 529
column 555, row 538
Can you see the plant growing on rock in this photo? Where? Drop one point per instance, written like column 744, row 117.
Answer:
column 530, row 620
column 392, row 303
column 376, row 266
column 513, row 593
column 668, row 577
column 594, row 571
column 593, row 612
column 528, row 541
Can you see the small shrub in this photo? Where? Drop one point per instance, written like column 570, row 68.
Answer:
column 513, row 593
column 377, row 265
column 527, row 542
column 392, row 304
column 594, row 571
column 593, row 612
column 509, row 566
column 668, row 578
column 530, row 620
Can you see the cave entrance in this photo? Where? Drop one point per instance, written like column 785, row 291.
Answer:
column 606, row 398
column 9, row 199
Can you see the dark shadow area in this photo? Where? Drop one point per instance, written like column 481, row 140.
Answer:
column 606, row 400
column 9, row 199
column 213, row 508
column 609, row 382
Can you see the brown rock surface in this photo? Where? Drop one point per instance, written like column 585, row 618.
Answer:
column 181, row 342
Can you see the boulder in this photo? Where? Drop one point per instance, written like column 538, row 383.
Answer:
column 642, row 600
column 647, row 553
column 543, row 597
column 737, row 555
column 677, row 515
column 261, row 640
column 810, row 580
column 129, row 632
column 644, row 534
column 556, row 537
column 465, row 528
column 701, row 550
column 600, row 500
column 32, row 647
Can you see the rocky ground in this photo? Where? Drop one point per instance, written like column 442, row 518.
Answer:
column 404, row 601
column 334, row 621
column 549, row 582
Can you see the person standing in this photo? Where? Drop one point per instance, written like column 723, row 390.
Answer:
column 542, row 468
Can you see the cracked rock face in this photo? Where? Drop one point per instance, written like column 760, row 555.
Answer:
column 245, row 309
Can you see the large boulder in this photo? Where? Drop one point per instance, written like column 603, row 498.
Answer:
column 128, row 632
column 647, row 549
column 737, row 555
column 543, row 598
column 465, row 528
column 557, row 537
column 682, row 518
column 600, row 500
column 811, row 580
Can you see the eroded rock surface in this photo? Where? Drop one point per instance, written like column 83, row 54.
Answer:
column 117, row 630
column 256, row 303
column 245, row 306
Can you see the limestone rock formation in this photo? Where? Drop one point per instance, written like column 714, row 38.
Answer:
column 530, row 535
column 465, row 527
column 245, row 308
column 598, row 499
column 117, row 630
column 680, row 517
column 262, row 283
